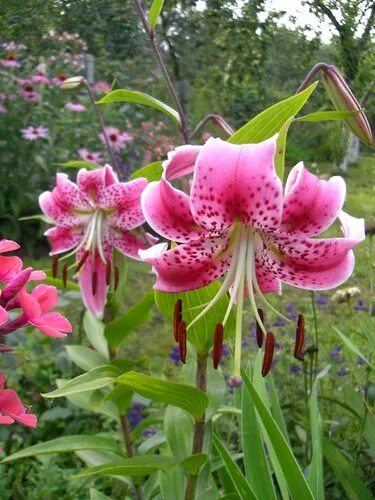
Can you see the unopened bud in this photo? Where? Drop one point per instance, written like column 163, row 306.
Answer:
column 343, row 99
column 72, row 83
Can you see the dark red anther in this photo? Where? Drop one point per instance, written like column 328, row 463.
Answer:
column 82, row 260
column 107, row 272
column 217, row 351
column 259, row 332
column 177, row 318
column 94, row 282
column 117, row 277
column 55, row 266
column 300, row 337
column 268, row 353
column 182, row 340
column 65, row 275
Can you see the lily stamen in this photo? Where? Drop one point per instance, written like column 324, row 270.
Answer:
column 300, row 337
column 177, row 318
column 182, row 341
column 268, row 353
column 217, row 351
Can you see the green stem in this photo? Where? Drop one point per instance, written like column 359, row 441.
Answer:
column 316, row 333
column 363, row 421
column 198, row 437
column 306, row 400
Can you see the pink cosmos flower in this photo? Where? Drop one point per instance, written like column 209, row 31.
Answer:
column 238, row 222
column 117, row 138
column 102, row 87
column 34, row 133
column 10, row 61
column 40, row 78
column 92, row 217
column 90, row 156
column 11, row 408
column 75, row 106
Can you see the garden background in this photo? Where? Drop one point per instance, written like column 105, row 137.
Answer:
column 227, row 58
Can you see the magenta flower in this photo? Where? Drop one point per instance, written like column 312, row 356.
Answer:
column 117, row 138
column 2, row 109
column 90, row 156
column 59, row 79
column 102, row 86
column 10, row 266
column 10, row 61
column 75, row 106
column 40, row 78
column 34, row 133
column 29, row 93
column 12, row 409
column 237, row 222
column 92, row 217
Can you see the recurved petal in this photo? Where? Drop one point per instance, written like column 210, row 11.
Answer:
column 190, row 265
column 67, row 194
column 127, row 243
column 53, row 324
column 266, row 281
column 62, row 239
column 94, row 182
column 180, row 161
column 8, row 246
column 236, row 182
column 46, row 296
column 9, row 267
column 311, row 204
column 167, row 211
column 62, row 215
column 92, row 281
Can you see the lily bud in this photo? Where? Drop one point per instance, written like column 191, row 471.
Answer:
column 72, row 83
column 343, row 99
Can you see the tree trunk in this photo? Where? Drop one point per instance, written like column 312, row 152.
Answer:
column 351, row 154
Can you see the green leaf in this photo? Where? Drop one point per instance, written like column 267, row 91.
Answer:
column 295, row 479
column 78, row 164
column 193, row 463
column 118, row 329
column 66, row 444
column 255, row 460
column 280, row 149
column 57, row 282
column 353, row 347
column 179, row 442
column 96, row 495
column 315, row 476
column 132, row 96
column 135, row 466
column 94, row 379
column 122, row 397
column 94, row 330
column 84, row 357
column 183, row 396
column 152, row 171
column 201, row 333
column 345, row 473
column 270, row 121
column 323, row 116
column 242, row 486
column 155, row 11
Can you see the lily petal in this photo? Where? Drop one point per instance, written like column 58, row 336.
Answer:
column 58, row 213
column 62, row 239
column 190, row 265
column 3, row 318
column 167, row 211
column 180, row 161
column 8, row 246
column 53, row 324
column 93, row 182
column 127, row 243
column 46, row 296
column 9, row 267
column 233, row 182
column 93, row 301
column 311, row 204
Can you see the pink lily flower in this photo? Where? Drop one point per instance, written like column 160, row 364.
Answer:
column 237, row 222
column 9, row 266
column 92, row 217
column 12, row 409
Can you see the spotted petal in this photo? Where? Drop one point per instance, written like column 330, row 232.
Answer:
column 63, row 216
column 180, row 161
column 92, row 183
column 127, row 243
column 311, row 204
column 233, row 182
column 62, row 239
column 190, row 265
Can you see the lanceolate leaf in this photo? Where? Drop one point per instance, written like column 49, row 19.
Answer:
column 201, row 334
column 155, row 10
column 353, row 347
column 193, row 463
column 93, row 379
column 345, row 473
column 315, row 477
column 134, row 466
column 85, row 358
column 79, row 164
column 323, row 116
column 132, row 96
column 281, row 147
column 119, row 328
column 242, row 486
column 66, row 444
column 152, row 171
column 270, row 121
column 295, row 479
column 183, row 396
column 94, row 330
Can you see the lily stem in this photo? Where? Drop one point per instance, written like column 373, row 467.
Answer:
column 198, row 437
column 316, row 333
column 102, row 126
column 130, row 451
column 172, row 92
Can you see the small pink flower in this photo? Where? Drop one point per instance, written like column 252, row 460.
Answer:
column 2, row 109
column 40, row 78
column 10, row 61
column 35, row 309
column 93, row 217
column 90, row 156
column 29, row 93
column 116, row 137
column 59, row 79
column 238, row 222
column 11, row 408
column 102, row 87
column 34, row 133
column 75, row 106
